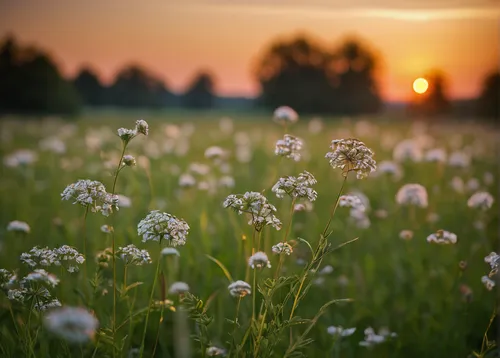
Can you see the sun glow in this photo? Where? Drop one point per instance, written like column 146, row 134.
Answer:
column 420, row 85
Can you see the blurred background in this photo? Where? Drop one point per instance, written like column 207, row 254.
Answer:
column 326, row 57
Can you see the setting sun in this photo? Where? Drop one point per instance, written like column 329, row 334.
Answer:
column 420, row 85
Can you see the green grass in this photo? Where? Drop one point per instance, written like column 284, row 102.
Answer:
column 411, row 287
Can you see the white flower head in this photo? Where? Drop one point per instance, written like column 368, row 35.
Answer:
column 488, row 283
column 406, row 235
column 131, row 255
column 126, row 135
column 261, row 212
column 239, row 289
column 412, row 194
column 351, row 155
column 186, row 180
column 442, row 237
column 168, row 251
column 215, row 153
column 141, row 126
column 42, row 276
column 372, row 339
column 65, row 256
column 494, row 260
column 178, row 288
column 284, row 115
column 282, row 248
column 407, row 149
column 18, row 226
column 7, row 278
column 296, row 187
column 457, row 184
column 129, row 160
column 104, row 257
column 158, row 225
column 107, row 229
column 340, row 331
column 390, row 168
column 436, row 155
column 351, row 201
column 481, row 200
column 91, row 193
column 259, row 260
column 289, row 147
column 215, row 351
column 20, row 158
column 459, row 160
column 73, row 324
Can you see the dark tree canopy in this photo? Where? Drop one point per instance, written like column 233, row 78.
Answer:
column 92, row 92
column 31, row 83
column 304, row 75
column 200, row 93
column 488, row 103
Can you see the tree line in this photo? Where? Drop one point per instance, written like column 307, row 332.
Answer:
column 297, row 72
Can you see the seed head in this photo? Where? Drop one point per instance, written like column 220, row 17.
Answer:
column 351, row 155
column 178, row 288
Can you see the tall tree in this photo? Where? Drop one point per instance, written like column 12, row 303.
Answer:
column 200, row 92
column 488, row 103
column 92, row 92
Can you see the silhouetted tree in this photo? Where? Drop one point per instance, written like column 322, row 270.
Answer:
column 30, row 82
column 488, row 103
column 354, row 70
column 434, row 102
column 92, row 92
column 200, row 93
column 135, row 87
column 307, row 77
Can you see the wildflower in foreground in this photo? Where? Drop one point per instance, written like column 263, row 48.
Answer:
column 488, row 283
column 351, row 155
column 73, row 324
column 296, row 187
column 158, row 225
column 340, row 331
column 442, row 237
column 42, row 276
column 91, row 193
column 412, row 194
column 494, row 260
column 481, row 200
column 285, row 114
column 7, row 278
column 215, row 351
column 282, row 248
column 239, row 289
column 289, row 147
column 259, row 260
column 65, row 256
column 18, row 226
column 168, row 304
column 131, row 255
column 178, row 288
column 253, row 203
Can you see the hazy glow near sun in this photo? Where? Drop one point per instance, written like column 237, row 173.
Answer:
column 420, row 85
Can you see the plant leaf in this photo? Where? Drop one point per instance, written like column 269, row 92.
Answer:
column 222, row 267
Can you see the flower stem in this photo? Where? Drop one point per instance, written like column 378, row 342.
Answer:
column 287, row 232
column 85, row 270
column 334, row 208
column 235, row 322
column 141, row 353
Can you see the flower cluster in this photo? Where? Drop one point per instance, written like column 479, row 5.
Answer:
column 65, row 256
column 289, row 147
column 412, row 194
column 488, row 283
column 141, row 127
column 407, row 149
column 158, row 225
column 91, row 193
column 406, row 234
column 73, row 324
column 131, row 255
column 340, row 331
column 7, row 279
column 437, row 155
column 285, row 114
column 442, row 237
column 104, row 257
column 481, row 200
column 178, row 288
column 215, row 351
column 41, row 276
column 259, row 260
column 390, row 168
column 296, row 187
column 372, row 339
column 351, row 155
column 255, row 204
column 351, row 201
column 18, row 226
column 239, row 289
column 494, row 260
column 282, row 248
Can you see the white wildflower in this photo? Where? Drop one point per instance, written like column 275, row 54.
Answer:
column 406, row 235
column 488, row 283
column 481, row 200
column 42, row 276
column 91, row 194
column 306, row 205
column 407, row 149
column 53, row 144
column 437, row 155
column 141, row 126
column 158, row 225
column 442, row 237
column 126, row 134
column 289, row 147
column 296, row 187
column 372, row 339
column 131, row 255
column 351, row 201
column 73, row 324
column 282, row 248
column 41, row 305
column 494, row 260
column 340, row 331
column 256, row 205
column 259, row 260
column 315, row 125
column 284, row 115
column 21, row 157
column 412, row 194
column 215, row 153
column 351, row 155
column 178, row 288
column 459, row 160
column 107, row 229
column 473, row 184
column 186, row 180
column 239, row 289
column 167, row 251
column 457, row 184
column 7, row 278
column 129, row 160
column 390, row 168
column 215, row 351
column 18, row 226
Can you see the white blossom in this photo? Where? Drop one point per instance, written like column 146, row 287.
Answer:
column 73, row 324
column 488, row 283
column 18, row 226
column 239, row 289
column 296, row 187
column 131, row 255
column 289, row 147
column 282, row 248
column 442, row 237
column 178, row 288
column 91, row 194
column 481, row 200
column 285, row 114
column 259, row 260
column 340, row 331
column 351, row 155
column 412, row 194
column 256, row 205
column 159, row 225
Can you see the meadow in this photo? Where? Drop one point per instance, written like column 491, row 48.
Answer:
column 377, row 264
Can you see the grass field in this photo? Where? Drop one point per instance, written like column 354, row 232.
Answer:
column 435, row 305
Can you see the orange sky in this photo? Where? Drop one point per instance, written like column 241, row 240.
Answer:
column 175, row 38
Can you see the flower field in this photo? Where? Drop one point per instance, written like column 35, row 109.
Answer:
column 267, row 235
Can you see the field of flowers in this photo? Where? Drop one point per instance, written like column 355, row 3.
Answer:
column 196, row 235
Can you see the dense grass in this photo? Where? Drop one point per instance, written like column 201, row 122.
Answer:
column 412, row 287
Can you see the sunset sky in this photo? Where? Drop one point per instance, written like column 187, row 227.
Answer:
column 175, row 38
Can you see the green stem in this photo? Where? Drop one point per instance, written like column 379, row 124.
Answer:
column 85, row 270
column 254, row 292
column 235, row 322
column 149, row 308
column 285, row 239
column 334, row 208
